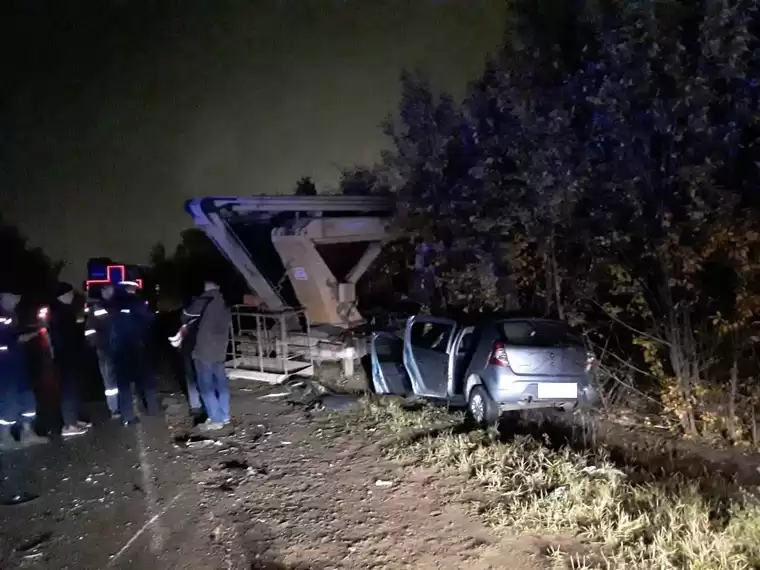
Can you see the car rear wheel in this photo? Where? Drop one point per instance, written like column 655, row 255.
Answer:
column 481, row 408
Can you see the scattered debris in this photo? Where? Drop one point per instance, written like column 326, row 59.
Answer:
column 274, row 395
column 18, row 499
column 603, row 471
column 234, row 464
column 260, row 470
column 185, row 438
column 557, row 493
column 35, row 542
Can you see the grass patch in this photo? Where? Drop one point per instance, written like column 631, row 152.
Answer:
column 627, row 519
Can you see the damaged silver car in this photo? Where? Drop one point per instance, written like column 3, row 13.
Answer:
column 491, row 367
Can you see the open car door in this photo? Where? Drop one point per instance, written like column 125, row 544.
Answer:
column 388, row 372
column 460, row 356
column 427, row 341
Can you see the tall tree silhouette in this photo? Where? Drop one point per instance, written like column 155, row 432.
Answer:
column 24, row 268
column 305, row 187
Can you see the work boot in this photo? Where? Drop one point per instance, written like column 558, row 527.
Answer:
column 27, row 436
column 7, row 442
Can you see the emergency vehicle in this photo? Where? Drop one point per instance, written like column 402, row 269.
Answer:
column 104, row 273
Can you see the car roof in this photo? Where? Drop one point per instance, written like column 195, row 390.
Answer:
column 492, row 318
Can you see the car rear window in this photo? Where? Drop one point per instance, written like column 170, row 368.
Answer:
column 540, row 334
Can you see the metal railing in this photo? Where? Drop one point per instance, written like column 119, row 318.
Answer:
column 265, row 342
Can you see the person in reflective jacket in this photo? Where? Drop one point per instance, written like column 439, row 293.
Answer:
column 132, row 319
column 69, row 351
column 98, row 329
column 17, row 403
column 189, row 322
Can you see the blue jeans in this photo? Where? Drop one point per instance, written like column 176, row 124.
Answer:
column 212, row 384
column 17, row 402
column 131, row 367
column 193, row 396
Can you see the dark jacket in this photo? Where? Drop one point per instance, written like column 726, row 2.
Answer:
column 12, row 356
column 212, row 319
column 66, row 334
column 99, row 324
column 131, row 321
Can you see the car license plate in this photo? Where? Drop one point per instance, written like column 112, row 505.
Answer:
column 552, row 391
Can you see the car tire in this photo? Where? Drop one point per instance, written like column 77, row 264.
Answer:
column 481, row 409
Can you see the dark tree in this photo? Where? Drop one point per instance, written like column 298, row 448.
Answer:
column 26, row 269
column 305, row 187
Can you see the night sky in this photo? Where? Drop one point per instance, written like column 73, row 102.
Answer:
column 112, row 112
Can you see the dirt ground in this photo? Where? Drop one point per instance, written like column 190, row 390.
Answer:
column 287, row 489
column 290, row 490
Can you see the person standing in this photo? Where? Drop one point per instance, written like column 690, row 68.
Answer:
column 186, row 346
column 18, row 406
column 209, row 314
column 98, row 329
column 191, row 380
column 69, row 356
column 132, row 320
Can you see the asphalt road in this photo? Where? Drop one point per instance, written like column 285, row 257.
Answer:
column 97, row 494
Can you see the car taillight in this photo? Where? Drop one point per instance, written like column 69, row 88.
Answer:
column 498, row 355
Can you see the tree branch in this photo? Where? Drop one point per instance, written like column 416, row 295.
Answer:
column 629, row 327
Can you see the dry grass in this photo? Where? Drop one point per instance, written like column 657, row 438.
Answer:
column 620, row 519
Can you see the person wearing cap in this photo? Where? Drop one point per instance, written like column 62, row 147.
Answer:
column 69, row 356
column 18, row 406
column 212, row 320
column 98, row 328
column 132, row 319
